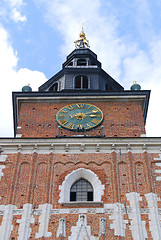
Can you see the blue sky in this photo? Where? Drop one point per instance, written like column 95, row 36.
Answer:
column 37, row 35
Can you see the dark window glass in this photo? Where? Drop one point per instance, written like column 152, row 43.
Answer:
column 81, row 82
column 72, row 196
column 108, row 88
column 78, row 82
column 90, row 196
column 70, row 64
column 81, row 190
column 82, row 62
column 85, row 82
column 55, row 87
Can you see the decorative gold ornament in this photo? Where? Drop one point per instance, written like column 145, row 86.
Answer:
column 82, row 42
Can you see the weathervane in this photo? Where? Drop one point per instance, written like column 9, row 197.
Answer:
column 82, row 42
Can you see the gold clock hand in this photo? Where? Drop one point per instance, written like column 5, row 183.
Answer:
column 94, row 111
column 96, row 115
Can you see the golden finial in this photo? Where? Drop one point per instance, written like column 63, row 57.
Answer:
column 82, row 42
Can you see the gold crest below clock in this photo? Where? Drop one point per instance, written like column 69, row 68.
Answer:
column 82, row 116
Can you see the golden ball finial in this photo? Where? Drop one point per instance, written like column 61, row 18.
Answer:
column 82, row 34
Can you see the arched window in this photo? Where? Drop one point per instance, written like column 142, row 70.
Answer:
column 72, row 178
column 81, row 190
column 81, row 62
column 81, row 82
column 54, row 87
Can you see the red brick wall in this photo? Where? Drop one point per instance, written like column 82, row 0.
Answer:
column 36, row 179
column 121, row 119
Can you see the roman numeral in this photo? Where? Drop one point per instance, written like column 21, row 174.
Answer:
column 88, row 126
column 70, row 125
column 89, row 107
column 61, row 116
column 95, row 121
column 64, row 111
column 81, row 105
column 98, row 115
column 69, row 107
column 63, row 122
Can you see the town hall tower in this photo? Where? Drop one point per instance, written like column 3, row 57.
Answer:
column 80, row 166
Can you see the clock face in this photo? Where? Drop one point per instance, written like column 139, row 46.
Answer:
column 79, row 116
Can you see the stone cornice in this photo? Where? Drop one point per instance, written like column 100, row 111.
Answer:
column 80, row 145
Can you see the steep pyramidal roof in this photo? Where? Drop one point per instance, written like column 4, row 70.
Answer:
column 81, row 65
column 81, row 71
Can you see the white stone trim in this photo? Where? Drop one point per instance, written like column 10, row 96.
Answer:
column 158, row 171
column 3, row 158
column 154, row 218
column 158, row 164
column 18, row 135
column 106, row 209
column 44, row 221
column 137, row 225
column 61, row 228
column 81, row 230
column 73, row 145
column 6, row 226
column 1, row 169
column 72, row 177
column 114, row 211
column 119, row 224
column 157, row 159
column 24, row 230
column 102, row 230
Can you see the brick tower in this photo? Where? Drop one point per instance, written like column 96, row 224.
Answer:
column 80, row 166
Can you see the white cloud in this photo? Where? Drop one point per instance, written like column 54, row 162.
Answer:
column 14, row 8
column 15, row 3
column 17, row 17
column 100, row 27
column 12, row 80
column 145, row 69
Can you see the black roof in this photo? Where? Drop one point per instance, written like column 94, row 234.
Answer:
column 66, row 69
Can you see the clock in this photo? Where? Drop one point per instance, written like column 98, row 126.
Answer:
column 79, row 116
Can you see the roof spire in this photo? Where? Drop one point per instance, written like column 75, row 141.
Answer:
column 82, row 42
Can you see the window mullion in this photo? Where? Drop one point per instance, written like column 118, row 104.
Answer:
column 81, row 82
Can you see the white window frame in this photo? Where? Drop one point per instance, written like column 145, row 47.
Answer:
column 91, row 177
